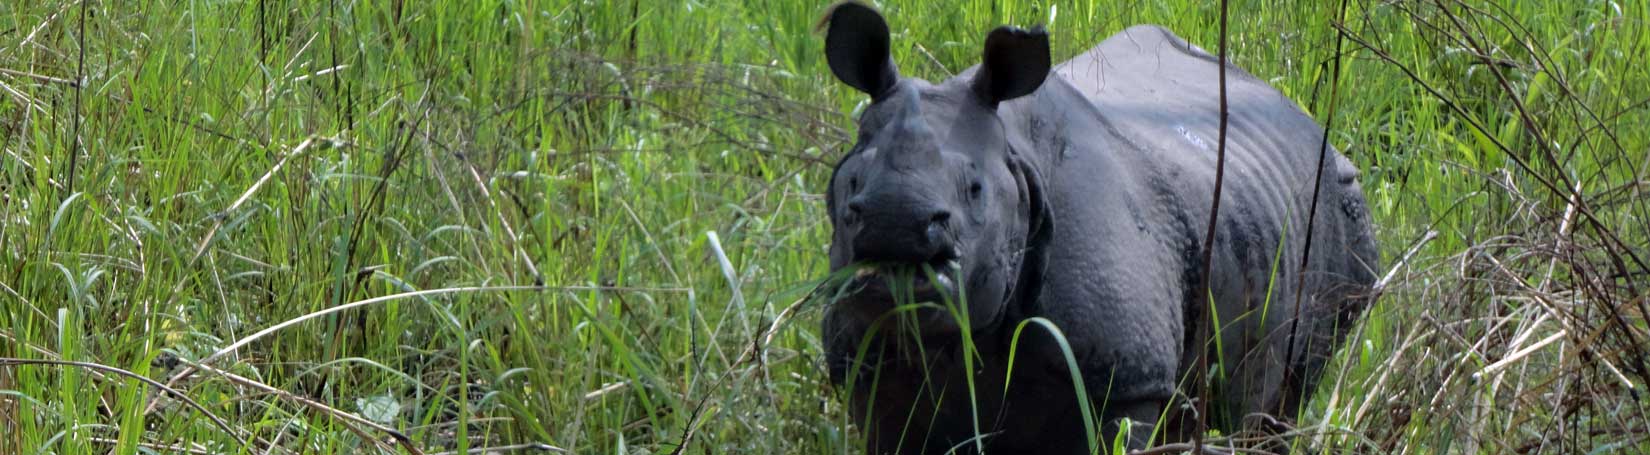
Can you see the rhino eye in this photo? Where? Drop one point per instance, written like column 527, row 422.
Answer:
column 853, row 184
column 974, row 190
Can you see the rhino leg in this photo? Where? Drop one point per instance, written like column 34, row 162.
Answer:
column 1142, row 416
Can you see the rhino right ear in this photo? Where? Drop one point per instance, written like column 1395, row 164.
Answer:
column 1015, row 63
column 856, row 46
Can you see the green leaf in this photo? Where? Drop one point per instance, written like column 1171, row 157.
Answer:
column 379, row 408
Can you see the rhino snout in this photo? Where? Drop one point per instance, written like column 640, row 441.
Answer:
column 912, row 234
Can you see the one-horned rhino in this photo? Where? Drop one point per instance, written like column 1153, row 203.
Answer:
column 1072, row 201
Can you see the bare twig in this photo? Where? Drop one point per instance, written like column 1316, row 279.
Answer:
column 515, row 240
column 200, row 248
column 184, row 373
column 40, row 77
column 535, row 446
column 1520, row 355
column 155, row 447
column 27, row 40
column 605, row 390
column 350, row 421
column 1186, row 447
column 74, row 122
column 756, row 352
column 1381, row 284
column 1204, row 317
column 1312, row 210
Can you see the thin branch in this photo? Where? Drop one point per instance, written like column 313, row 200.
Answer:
column 542, row 447
column 347, row 418
column 1204, row 296
column 153, row 447
column 80, row 75
column 200, row 248
column 1380, row 285
column 1520, row 355
column 41, row 77
column 184, row 373
column 1312, row 210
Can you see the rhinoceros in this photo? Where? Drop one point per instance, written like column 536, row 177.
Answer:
column 1030, row 203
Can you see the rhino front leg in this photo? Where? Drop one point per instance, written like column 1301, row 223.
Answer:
column 1142, row 416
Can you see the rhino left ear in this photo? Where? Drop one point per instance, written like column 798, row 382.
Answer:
column 857, row 49
column 1016, row 63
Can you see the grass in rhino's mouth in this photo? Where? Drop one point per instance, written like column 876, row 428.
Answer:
column 906, row 283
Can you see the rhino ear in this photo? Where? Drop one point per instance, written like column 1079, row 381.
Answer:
column 856, row 46
column 1016, row 62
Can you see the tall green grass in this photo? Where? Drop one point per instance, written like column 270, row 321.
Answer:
column 594, row 147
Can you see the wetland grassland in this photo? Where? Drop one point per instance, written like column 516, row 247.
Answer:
column 444, row 226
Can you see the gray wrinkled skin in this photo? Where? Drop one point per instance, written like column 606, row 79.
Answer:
column 1081, row 198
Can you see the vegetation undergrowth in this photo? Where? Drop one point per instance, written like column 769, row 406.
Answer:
column 591, row 227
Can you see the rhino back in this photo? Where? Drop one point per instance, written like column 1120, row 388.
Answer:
column 1127, row 133
column 1162, row 97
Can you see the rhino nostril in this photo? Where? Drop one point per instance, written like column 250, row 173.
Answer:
column 936, row 238
column 939, row 218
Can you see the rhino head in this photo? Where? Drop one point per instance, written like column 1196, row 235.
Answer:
column 933, row 202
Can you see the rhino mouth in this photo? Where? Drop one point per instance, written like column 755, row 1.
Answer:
column 881, row 287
